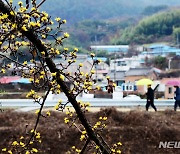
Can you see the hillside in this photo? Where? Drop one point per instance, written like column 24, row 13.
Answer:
column 152, row 28
column 77, row 10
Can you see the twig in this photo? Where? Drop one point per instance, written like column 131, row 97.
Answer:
column 85, row 146
column 41, row 3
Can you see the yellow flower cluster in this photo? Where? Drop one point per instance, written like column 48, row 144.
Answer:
column 31, row 93
column 34, row 150
column 3, row 70
column 100, row 124
column 66, row 35
column 83, row 135
column 66, row 120
column 58, row 105
column 74, row 149
column 115, row 149
column 37, row 112
column 58, row 19
column 48, row 113
column 92, row 55
column 80, row 65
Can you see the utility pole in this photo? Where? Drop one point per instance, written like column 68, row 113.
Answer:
column 169, row 62
column 115, row 67
column 178, row 40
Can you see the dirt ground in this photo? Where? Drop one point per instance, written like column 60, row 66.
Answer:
column 140, row 132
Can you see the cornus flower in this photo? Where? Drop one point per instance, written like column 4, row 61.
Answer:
column 64, row 21
column 107, row 77
column 12, row 13
column 66, row 35
column 42, row 73
column 24, row 28
column 22, row 9
column 34, row 150
column 78, row 150
column 37, row 81
column 25, row 63
column 43, row 36
column 15, row 143
column 62, row 77
column 44, row 19
column 54, row 74
column 27, row 152
column 57, row 52
column 22, row 144
column 4, row 149
column 9, row 151
column 21, row 137
column 119, row 143
column 75, row 49
column 31, row 79
column 105, row 118
column 92, row 55
column 80, row 65
column 118, row 151
column 31, row 93
column 3, row 70
column 48, row 113
column 43, row 53
column 37, row 111
column 38, row 137
column 92, row 71
column 98, row 87
column 82, row 137
column 66, row 120
column 66, row 49
column 58, row 19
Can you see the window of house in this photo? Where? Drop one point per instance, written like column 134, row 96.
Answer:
column 170, row 90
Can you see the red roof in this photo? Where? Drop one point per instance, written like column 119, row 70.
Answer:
column 8, row 79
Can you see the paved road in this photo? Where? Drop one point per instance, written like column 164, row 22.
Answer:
column 95, row 102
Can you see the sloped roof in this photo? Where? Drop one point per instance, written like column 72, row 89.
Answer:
column 138, row 71
column 119, row 75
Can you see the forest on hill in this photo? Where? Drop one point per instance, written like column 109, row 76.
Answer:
column 152, row 28
column 159, row 27
column 117, row 22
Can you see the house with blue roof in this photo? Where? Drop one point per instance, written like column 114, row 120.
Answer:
column 160, row 50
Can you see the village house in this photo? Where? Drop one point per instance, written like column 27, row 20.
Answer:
column 120, row 49
column 160, row 50
column 124, row 64
column 117, row 76
column 135, row 74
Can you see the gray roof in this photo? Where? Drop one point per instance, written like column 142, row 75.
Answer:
column 119, row 75
column 138, row 71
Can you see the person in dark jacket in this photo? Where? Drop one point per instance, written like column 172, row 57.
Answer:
column 150, row 97
column 177, row 97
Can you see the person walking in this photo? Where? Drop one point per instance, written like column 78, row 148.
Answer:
column 177, row 97
column 150, row 97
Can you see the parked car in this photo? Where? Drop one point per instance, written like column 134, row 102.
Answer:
column 132, row 97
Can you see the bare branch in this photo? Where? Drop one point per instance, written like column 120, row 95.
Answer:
column 41, row 3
